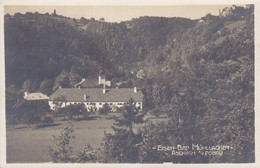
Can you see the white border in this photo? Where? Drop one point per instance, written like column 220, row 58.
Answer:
column 123, row 3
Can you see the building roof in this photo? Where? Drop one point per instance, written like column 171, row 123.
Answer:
column 36, row 96
column 96, row 95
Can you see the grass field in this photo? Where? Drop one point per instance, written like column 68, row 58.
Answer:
column 30, row 145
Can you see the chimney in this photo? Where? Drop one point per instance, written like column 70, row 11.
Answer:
column 60, row 87
column 99, row 79
column 79, row 86
column 85, row 97
column 135, row 89
column 104, row 88
column 116, row 87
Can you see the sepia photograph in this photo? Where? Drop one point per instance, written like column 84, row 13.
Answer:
column 129, row 84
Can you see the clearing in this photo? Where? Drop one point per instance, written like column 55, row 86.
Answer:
column 30, row 145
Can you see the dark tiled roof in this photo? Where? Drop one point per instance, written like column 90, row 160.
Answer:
column 96, row 95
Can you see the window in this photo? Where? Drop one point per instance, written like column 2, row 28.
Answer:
column 100, row 103
column 111, row 103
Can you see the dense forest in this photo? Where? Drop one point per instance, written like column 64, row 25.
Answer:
column 199, row 73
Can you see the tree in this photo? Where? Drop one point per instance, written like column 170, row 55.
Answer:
column 27, row 86
column 74, row 77
column 46, row 86
column 86, row 154
column 47, row 120
column 167, row 133
column 104, row 110
column 58, row 103
column 130, row 115
column 62, row 80
column 102, row 19
column 13, row 97
column 122, row 146
column 31, row 112
column 62, row 151
column 231, row 110
column 157, row 112
column 74, row 109
column 82, row 110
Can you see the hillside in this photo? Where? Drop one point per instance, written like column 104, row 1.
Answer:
column 201, row 70
column 41, row 46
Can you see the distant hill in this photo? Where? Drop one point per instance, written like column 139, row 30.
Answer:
column 51, row 50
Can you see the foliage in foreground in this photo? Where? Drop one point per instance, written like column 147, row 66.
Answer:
column 185, row 125
column 61, row 151
column 122, row 145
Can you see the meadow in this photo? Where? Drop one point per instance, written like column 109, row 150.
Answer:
column 30, row 145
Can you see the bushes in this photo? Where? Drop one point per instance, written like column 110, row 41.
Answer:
column 61, row 151
column 30, row 112
column 72, row 110
column 104, row 110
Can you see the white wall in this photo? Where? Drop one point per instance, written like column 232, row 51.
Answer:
column 96, row 105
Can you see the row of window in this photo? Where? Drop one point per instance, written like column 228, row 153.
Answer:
column 73, row 103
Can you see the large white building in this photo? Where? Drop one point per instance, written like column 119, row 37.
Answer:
column 96, row 97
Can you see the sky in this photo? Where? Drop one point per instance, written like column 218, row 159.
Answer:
column 121, row 13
